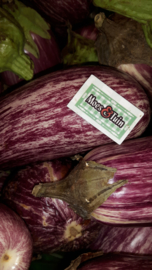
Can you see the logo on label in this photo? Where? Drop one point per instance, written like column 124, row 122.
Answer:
column 107, row 112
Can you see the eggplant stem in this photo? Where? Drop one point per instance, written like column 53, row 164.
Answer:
column 84, row 189
column 99, row 19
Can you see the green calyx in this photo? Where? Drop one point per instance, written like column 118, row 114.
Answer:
column 139, row 10
column 31, row 22
column 12, row 42
column 78, row 50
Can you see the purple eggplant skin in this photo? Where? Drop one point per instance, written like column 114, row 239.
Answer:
column 118, row 262
column 88, row 31
column 132, row 203
column 37, row 125
column 59, row 12
column 52, row 224
column 126, row 239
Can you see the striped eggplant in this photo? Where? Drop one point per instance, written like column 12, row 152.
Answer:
column 53, row 225
column 131, row 203
column 128, row 239
column 117, row 262
column 59, row 12
column 37, row 125
column 16, row 245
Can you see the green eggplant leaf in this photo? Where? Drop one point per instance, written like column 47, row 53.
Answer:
column 31, row 22
column 78, row 50
column 12, row 42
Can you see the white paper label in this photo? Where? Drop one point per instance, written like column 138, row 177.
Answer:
column 105, row 109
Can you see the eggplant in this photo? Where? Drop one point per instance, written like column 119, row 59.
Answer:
column 88, row 31
column 128, row 239
column 59, row 12
column 132, row 203
column 37, row 125
column 115, row 261
column 52, row 224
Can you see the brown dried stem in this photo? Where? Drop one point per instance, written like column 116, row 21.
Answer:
column 121, row 41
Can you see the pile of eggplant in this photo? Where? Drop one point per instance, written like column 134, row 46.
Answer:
column 71, row 197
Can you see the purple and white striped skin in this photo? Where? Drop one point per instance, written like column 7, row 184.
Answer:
column 53, row 225
column 118, row 262
column 15, row 241
column 37, row 125
column 49, row 56
column 130, row 239
column 59, row 12
column 142, row 73
column 132, row 203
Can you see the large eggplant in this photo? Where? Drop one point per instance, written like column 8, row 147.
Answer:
column 116, row 262
column 128, row 239
column 131, row 203
column 37, row 125
column 53, row 225
column 59, row 12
